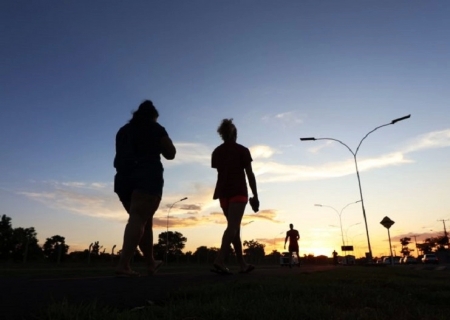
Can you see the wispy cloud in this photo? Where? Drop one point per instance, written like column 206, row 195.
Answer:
column 289, row 117
column 191, row 153
column 86, row 203
column 270, row 171
column 285, row 118
column 79, row 198
column 262, row 152
column 216, row 217
column 431, row 140
column 318, row 147
column 97, row 199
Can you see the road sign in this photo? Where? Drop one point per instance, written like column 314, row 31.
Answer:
column 347, row 248
column 386, row 222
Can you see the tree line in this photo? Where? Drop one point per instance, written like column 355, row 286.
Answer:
column 21, row 245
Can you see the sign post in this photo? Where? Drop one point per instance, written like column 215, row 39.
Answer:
column 387, row 223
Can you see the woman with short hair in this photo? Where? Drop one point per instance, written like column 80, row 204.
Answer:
column 233, row 163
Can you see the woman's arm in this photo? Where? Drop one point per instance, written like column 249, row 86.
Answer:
column 251, row 180
column 167, row 148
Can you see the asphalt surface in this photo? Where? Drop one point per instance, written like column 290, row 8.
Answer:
column 25, row 298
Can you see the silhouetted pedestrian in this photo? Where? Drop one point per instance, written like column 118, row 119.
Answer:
column 233, row 162
column 293, row 237
column 335, row 258
column 139, row 182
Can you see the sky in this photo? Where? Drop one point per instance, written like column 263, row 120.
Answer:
column 72, row 72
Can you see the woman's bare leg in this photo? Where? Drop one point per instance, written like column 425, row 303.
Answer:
column 142, row 209
column 234, row 216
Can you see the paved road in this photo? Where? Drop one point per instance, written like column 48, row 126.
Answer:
column 22, row 298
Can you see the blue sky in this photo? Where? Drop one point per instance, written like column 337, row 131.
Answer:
column 72, row 73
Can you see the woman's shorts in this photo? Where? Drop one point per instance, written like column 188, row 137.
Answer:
column 124, row 185
column 225, row 202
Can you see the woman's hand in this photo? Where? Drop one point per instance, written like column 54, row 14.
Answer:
column 254, row 203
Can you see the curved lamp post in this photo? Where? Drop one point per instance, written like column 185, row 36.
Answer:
column 346, row 231
column 354, row 153
column 339, row 214
column 167, row 232
column 275, row 239
column 244, row 224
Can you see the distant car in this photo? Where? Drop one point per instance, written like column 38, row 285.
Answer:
column 430, row 258
column 380, row 260
column 409, row 260
column 387, row 260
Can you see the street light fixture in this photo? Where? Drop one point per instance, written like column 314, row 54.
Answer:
column 346, row 231
column 275, row 239
column 244, row 224
column 356, row 166
column 339, row 214
column 167, row 232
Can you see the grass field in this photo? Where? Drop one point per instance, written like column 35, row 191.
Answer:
column 341, row 293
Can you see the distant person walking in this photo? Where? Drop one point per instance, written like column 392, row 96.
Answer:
column 335, row 258
column 233, row 162
column 139, row 182
column 293, row 237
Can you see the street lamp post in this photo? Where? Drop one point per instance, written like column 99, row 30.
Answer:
column 167, row 232
column 346, row 231
column 275, row 239
column 354, row 153
column 245, row 224
column 340, row 216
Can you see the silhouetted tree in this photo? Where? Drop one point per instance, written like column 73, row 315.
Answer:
column 441, row 242
column 25, row 245
column 254, row 250
column 6, row 232
column 159, row 251
column 55, row 248
column 204, row 254
column 404, row 242
column 176, row 243
column 428, row 245
column 201, row 254
column 188, row 256
column 96, row 247
column 79, row 256
column 274, row 255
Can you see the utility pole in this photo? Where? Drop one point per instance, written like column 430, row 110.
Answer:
column 445, row 230
column 415, row 240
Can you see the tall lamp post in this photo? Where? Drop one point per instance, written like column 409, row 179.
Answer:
column 339, row 214
column 244, row 224
column 275, row 239
column 354, row 153
column 346, row 231
column 167, row 232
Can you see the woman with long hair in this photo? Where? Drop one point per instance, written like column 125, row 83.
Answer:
column 233, row 162
column 139, row 182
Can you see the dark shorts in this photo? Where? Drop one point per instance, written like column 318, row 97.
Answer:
column 148, row 182
column 293, row 248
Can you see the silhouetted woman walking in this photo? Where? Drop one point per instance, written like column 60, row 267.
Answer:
column 233, row 162
column 139, row 182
